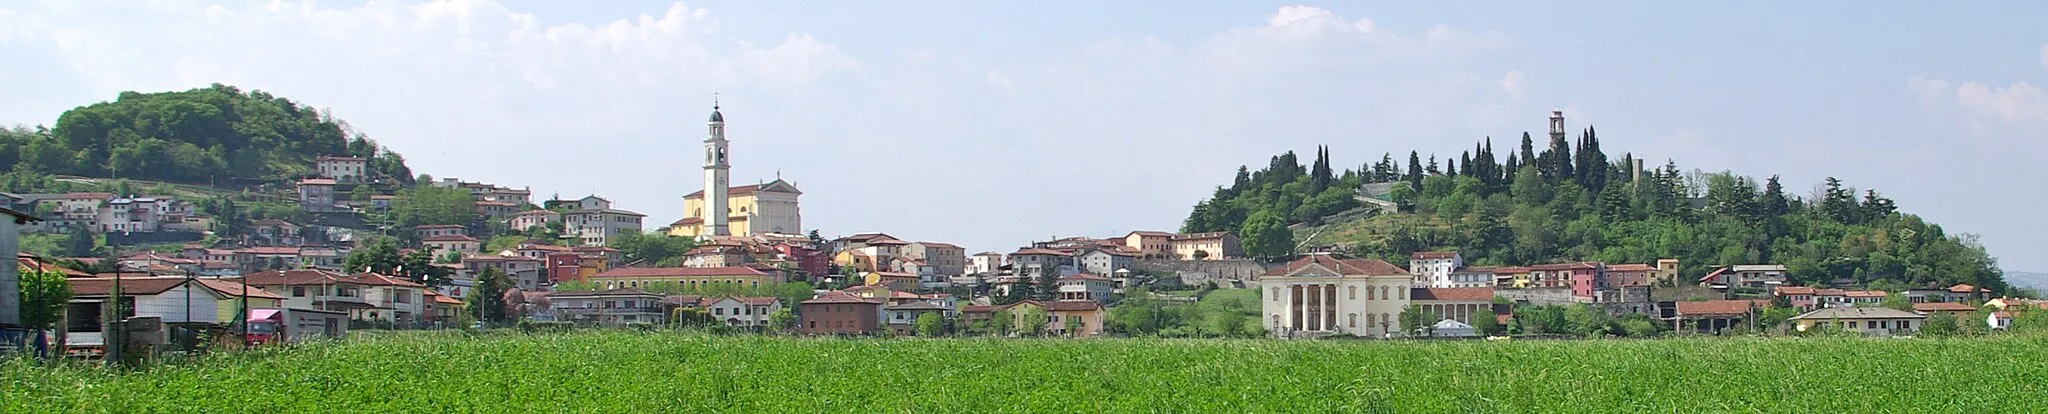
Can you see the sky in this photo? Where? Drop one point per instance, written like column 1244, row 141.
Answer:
column 991, row 125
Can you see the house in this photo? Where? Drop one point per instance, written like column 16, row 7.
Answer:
column 1871, row 320
column 1958, row 310
column 1036, row 261
column 341, row 169
column 316, row 194
column 365, row 296
column 1963, row 292
column 1714, row 316
column 133, row 215
column 1086, row 315
column 1666, row 274
column 234, row 291
column 524, row 272
column 381, row 201
column 512, row 196
column 1328, row 293
column 450, row 243
column 496, row 209
column 884, row 250
column 1513, row 277
column 73, row 210
column 1999, row 320
column 692, row 278
column 1582, row 277
column 985, row 263
column 1752, row 276
column 1150, row 244
column 770, row 207
column 1084, row 286
column 893, row 280
column 717, row 256
column 858, row 241
column 944, row 259
column 902, row 318
column 1433, row 269
column 595, row 221
column 1627, row 274
column 1801, row 297
column 444, row 308
column 274, row 232
column 1206, row 246
column 1105, row 261
column 174, row 300
column 1461, row 304
column 742, row 311
column 839, row 313
column 610, row 307
column 424, row 232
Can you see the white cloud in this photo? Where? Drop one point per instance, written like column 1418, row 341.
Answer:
column 993, row 152
column 1987, row 108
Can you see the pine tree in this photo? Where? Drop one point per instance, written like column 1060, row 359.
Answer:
column 1876, row 207
column 1528, row 151
column 1772, row 202
column 1839, row 203
column 1414, row 177
column 1511, row 167
column 1451, row 168
column 1432, row 170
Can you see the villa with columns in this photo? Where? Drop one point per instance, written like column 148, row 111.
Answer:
column 1328, row 294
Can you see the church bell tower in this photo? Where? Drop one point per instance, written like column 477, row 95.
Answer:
column 717, row 177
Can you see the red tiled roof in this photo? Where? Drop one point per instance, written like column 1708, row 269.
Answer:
column 687, row 221
column 1431, row 255
column 1864, row 293
column 1072, row 305
column 1200, row 236
column 1341, row 265
column 234, row 289
column 86, row 196
column 1552, row 267
column 1036, row 251
column 1716, row 307
column 1966, row 288
column 450, row 238
column 1943, row 307
column 1464, row 293
column 1084, row 276
column 26, row 262
column 980, row 309
column 1714, row 274
column 130, row 285
column 337, row 158
column 632, row 272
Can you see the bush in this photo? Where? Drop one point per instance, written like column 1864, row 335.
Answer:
column 543, row 326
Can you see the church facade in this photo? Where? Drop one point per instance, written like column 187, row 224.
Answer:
column 722, row 210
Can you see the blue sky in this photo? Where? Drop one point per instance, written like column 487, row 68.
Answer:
column 990, row 125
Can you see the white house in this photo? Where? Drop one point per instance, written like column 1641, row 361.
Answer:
column 1103, row 261
column 1999, row 320
column 1866, row 320
column 1083, row 286
column 1433, row 269
column 1327, row 293
column 985, row 263
column 595, row 222
column 341, row 169
column 10, row 276
column 742, row 311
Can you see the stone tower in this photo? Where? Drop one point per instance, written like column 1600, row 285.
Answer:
column 1556, row 125
column 717, row 176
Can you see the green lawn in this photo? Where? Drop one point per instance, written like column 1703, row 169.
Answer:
column 678, row 372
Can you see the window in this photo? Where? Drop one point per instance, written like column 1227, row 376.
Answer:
column 814, row 324
column 1371, row 319
column 1905, row 324
column 298, row 291
column 1354, row 320
column 718, row 311
column 1403, row 291
column 1852, row 324
column 1354, row 296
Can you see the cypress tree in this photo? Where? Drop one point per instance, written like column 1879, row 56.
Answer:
column 1528, row 152
column 1432, row 166
column 1773, row 200
column 1415, row 170
column 1464, row 166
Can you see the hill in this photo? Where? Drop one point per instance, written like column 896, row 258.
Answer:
column 2031, row 280
column 214, row 135
column 1571, row 202
column 681, row 372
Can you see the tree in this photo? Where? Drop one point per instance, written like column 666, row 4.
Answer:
column 1417, row 321
column 783, row 320
column 430, row 205
column 1485, row 324
column 1034, row 321
column 929, row 324
column 44, row 297
column 1773, row 201
column 1896, row 300
column 1073, row 328
column 79, row 242
column 375, row 255
column 1941, row 324
column 1201, row 254
column 652, row 249
column 1005, row 322
column 419, row 266
column 488, row 297
column 1267, row 237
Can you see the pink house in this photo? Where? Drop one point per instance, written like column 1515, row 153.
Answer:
column 1582, row 277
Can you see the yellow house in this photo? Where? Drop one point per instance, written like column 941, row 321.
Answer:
column 854, row 259
column 892, row 280
column 1087, row 315
column 766, row 208
column 258, row 298
column 686, row 277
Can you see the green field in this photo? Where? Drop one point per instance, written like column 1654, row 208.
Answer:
column 683, row 372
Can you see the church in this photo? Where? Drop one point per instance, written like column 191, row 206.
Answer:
column 769, row 207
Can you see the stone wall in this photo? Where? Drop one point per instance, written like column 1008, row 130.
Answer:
column 1540, row 296
column 1226, row 273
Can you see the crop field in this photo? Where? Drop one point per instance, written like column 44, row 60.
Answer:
column 686, row 372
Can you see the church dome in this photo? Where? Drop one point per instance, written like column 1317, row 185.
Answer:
column 715, row 116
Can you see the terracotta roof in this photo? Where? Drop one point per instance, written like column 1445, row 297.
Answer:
column 1464, row 293
column 1714, row 274
column 1966, row 288
column 319, row 277
column 610, row 292
column 687, row 221
column 2002, row 315
column 1631, row 267
column 1943, row 307
column 130, row 285
column 443, row 299
column 24, row 261
column 1792, row 290
column 1113, row 252
column 1864, row 293
column 633, row 272
column 1552, row 267
column 1071, row 305
column 1083, row 276
column 1201, row 236
column 1858, row 313
column 85, row 196
column 234, row 289
column 450, row 238
column 741, row 189
column 896, row 275
column 1431, row 255
column 1036, row 251
column 1340, row 264
column 918, row 305
column 1716, row 307
column 839, row 297
column 890, row 242
column 980, row 309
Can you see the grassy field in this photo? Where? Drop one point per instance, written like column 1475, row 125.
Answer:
column 676, row 372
